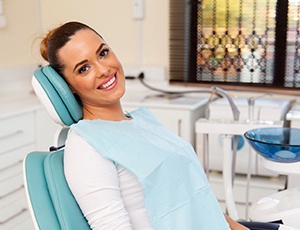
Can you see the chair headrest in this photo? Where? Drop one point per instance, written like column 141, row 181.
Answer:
column 54, row 93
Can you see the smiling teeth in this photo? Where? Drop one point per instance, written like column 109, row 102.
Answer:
column 109, row 83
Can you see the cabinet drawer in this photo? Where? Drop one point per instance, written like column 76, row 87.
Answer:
column 22, row 221
column 11, row 179
column 12, row 205
column 16, row 131
column 15, row 156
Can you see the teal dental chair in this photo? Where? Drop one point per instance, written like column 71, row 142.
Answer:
column 51, row 203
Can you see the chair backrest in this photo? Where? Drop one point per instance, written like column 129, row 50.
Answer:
column 50, row 200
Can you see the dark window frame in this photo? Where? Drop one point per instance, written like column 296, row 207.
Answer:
column 183, row 40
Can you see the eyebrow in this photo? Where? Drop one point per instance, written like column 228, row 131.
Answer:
column 100, row 48
column 79, row 63
column 97, row 51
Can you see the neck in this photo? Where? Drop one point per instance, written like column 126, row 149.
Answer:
column 110, row 113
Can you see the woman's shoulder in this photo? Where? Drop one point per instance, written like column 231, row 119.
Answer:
column 73, row 136
column 74, row 141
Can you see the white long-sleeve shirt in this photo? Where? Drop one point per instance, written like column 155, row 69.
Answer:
column 109, row 196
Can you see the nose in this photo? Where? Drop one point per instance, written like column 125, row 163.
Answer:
column 102, row 70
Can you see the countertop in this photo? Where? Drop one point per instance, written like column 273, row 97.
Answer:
column 18, row 102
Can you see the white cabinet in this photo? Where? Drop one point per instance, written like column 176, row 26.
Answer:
column 17, row 138
column 24, row 127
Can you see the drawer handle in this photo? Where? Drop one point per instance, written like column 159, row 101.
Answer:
column 179, row 123
column 9, row 135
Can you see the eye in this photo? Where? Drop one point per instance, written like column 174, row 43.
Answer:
column 104, row 52
column 83, row 69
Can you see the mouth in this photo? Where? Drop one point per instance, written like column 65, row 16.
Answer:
column 109, row 83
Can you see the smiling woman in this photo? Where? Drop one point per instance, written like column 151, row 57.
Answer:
column 89, row 66
column 91, row 69
column 117, row 163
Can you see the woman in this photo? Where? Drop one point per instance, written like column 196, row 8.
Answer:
column 126, row 171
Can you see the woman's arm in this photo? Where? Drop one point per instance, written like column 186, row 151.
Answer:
column 94, row 183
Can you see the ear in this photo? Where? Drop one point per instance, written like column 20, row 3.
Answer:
column 72, row 89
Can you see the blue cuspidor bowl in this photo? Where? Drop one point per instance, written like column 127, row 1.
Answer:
column 276, row 144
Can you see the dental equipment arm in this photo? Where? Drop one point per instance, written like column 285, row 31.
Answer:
column 235, row 110
column 251, row 102
column 229, row 160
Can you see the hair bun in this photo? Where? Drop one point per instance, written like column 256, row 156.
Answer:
column 44, row 45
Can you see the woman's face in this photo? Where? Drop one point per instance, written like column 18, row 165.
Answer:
column 92, row 70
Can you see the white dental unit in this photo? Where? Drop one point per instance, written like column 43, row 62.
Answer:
column 214, row 141
column 293, row 116
column 284, row 205
column 265, row 109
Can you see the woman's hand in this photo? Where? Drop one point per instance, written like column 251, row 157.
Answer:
column 234, row 225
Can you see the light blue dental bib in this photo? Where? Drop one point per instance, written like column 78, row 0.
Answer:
column 176, row 191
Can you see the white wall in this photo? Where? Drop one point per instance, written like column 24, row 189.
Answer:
column 112, row 18
column 17, row 37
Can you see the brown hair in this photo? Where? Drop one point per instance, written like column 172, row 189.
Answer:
column 56, row 39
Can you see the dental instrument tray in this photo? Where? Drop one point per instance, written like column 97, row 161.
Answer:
column 276, row 144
